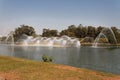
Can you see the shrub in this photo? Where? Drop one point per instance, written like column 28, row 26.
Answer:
column 47, row 58
column 44, row 58
column 50, row 59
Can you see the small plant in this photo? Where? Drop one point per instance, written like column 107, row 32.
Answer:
column 47, row 58
column 50, row 59
column 44, row 58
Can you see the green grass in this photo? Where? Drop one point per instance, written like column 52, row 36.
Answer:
column 21, row 69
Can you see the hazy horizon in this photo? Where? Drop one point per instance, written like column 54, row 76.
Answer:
column 58, row 14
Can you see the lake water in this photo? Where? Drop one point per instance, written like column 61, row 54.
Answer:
column 103, row 59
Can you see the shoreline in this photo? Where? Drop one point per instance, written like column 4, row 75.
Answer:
column 55, row 45
column 99, row 44
column 22, row 69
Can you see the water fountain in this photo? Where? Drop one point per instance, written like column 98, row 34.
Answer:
column 108, row 35
column 10, row 39
column 63, row 41
column 96, row 41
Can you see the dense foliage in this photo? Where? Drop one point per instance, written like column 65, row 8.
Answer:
column 81, row 31
column 89, row 32
column 86, row 31
column 46, row 58
column 23, row 29
column 49, row 33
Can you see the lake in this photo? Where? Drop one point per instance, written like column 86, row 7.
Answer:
column 102, row 59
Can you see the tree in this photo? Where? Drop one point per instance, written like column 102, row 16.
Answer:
column 72, row 30
column 23, row 29
column 64, row 32
column 99, row 29
column 116, row 33
column 49, row 33
column 78, row 32
column 91, row 31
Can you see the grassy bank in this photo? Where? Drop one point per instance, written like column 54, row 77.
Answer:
column 21, row 69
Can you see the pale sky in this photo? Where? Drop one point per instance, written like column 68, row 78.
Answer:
column 58, row 14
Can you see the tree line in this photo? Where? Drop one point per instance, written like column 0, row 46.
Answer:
column 71, row 31
column 85, row 31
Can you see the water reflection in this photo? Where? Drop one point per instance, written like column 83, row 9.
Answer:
column 104, row 59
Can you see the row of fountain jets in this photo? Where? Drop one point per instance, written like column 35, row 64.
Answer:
column 63, row 41
column 51, row 41
column 25, row 40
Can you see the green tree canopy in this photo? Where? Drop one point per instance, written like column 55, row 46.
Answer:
column 23, row 29
column 49, row 33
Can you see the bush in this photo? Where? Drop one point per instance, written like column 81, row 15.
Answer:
column 44, row 58
column 50, row 59
column 47, row 58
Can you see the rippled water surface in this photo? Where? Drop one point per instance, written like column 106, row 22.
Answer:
column 103, row 59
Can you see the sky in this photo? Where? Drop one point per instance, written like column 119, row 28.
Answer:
column 57, row 14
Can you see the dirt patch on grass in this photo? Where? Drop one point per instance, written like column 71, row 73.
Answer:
column 67, row 68
column 90, row 72
column 112, row 78
column 9, row 75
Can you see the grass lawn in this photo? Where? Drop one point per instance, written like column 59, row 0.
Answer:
column 21, row 69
